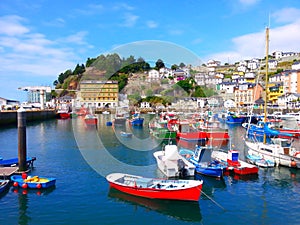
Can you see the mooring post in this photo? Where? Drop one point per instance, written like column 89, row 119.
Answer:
column 22, row 149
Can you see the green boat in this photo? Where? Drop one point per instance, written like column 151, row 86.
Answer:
column 159, row 130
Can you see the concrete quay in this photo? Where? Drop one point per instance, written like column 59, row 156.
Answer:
column 9, row 117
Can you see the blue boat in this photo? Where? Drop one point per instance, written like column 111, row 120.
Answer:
column 201, row 158
column 136, row 120
column 15, row 162
column 232, row 118
column 34, row 182
column 264, row 128
column 4, row 184
column 125, row 134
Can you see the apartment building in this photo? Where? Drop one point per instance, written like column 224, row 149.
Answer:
column 95, row 93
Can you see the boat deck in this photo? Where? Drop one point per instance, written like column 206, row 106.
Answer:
column 7, row 171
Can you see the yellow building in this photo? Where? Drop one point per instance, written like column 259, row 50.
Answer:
column 274, row 91
column 97, row 94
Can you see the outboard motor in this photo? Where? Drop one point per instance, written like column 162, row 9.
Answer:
column 182, row 171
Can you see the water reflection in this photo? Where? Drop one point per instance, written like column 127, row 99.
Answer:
column 24, row 218
column 183, row 210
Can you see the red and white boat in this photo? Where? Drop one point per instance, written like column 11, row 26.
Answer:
column 63, row 114
column 231, row 160
column 185, row 131
column 154, row 188
column 91, row 119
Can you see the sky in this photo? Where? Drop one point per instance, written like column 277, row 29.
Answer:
column 41, row 39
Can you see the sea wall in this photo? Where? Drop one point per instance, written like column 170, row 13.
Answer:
column 10, row 117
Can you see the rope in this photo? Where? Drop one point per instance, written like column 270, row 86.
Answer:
column 213, row 200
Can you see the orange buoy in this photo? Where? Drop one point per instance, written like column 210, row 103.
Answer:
column 293, row 164
column 15, row 184
column 39, row 186
column 24, row 185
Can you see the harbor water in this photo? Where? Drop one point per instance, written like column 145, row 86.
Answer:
column 80, row 157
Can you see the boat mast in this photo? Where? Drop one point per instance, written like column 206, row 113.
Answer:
column 266, row 79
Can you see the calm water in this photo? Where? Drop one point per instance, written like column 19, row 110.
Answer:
column 80, row 156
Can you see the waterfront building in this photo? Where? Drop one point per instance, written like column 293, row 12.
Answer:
column 98, row 94
column 246, row 94
column 8, row 104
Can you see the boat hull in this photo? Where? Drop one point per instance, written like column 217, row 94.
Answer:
column 4, row 184
column 41, row 183
column 184, row 192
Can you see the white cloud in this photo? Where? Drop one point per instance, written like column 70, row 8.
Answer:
column 58, row 22
column 121, row 6
column 286, row 15
column 175, row 32
column 129, row 20
column 11, row 25
column 151, row 24
column 24, row 51
column 249, row 2
column 282, row 38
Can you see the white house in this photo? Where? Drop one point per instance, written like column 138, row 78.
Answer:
column 153, row 75
column 145, row 105
column 272, row 64
column 253, row 64
column 296, row 65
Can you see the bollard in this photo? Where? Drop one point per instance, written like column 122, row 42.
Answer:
column 22, row 149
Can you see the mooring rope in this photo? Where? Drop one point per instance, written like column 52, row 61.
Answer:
column 213, row 200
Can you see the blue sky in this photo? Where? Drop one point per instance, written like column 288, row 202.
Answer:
column 42, row 38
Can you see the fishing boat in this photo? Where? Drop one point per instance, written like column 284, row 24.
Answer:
column 34, row 182
column 186, row 190
column 185, row 131
column 159, row 129
column 172, row 164
column 4, row 185
column 232, row 162
column 259, row 160
column 280, row 150
column 136, row 120
column 125, row 134
column 91, row 119
column 231, row 118
column 15, row 162
column 63, row 114
column 201, row 158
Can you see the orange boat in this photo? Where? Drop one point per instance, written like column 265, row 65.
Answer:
column 153, row 188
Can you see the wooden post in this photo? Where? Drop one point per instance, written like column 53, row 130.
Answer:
column 22, row 149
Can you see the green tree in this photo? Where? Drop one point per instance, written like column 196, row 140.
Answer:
column 159, row 64
column 174, row 67
column 182, row 65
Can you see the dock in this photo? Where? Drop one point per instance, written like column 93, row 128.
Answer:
column 7, row 171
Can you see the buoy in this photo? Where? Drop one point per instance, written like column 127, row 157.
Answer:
column 24, row 185
column 24, row 192
column 15, row 184
column 24, row 176
column 39, row 186
column 293, row 164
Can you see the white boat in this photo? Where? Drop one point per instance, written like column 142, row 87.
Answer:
column 172, row 164
column 259, row 160
column 280, row 151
